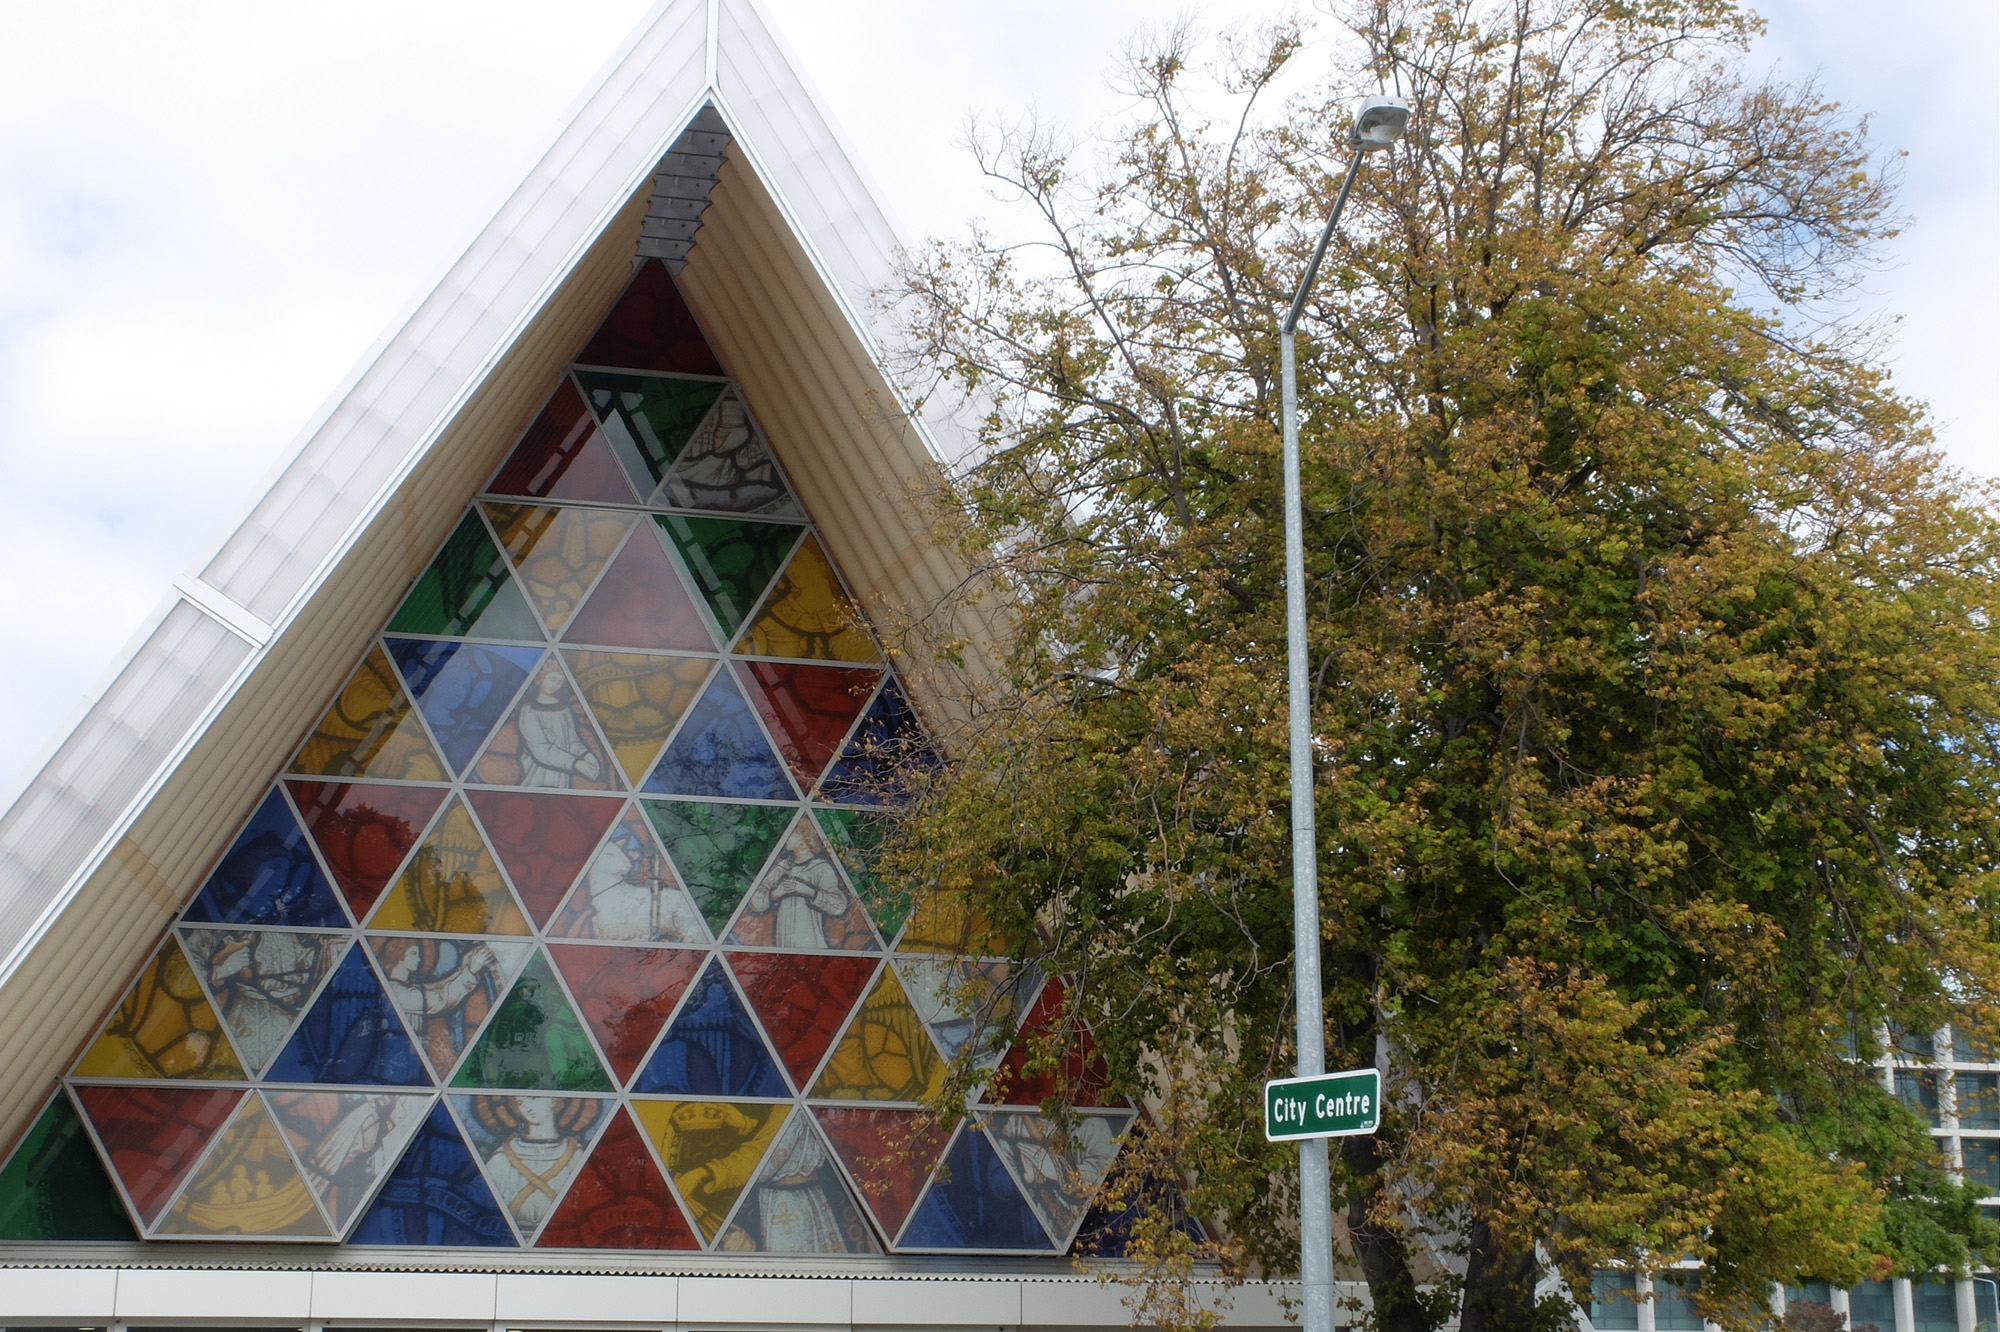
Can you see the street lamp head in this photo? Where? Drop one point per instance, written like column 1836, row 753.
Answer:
column 1379, row 122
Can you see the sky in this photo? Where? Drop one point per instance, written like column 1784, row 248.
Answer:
column 210, row 210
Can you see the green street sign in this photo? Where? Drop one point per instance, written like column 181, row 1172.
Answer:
column 1332, row 1105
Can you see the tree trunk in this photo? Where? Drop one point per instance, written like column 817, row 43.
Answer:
column 1385, row 1264
column 1499, row 1286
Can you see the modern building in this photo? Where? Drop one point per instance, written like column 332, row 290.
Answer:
column 457, row 911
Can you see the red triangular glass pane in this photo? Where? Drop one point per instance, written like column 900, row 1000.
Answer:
column 619, row 1201
column 651, row 328
column 365, row 831
column 543, row 840
column 802, row 1000
column 1078, row 1075
column 153, row 1136
column 640, row 602
column 626, row 994
column 809, row 709
column 564, row 456
column 889, row 1154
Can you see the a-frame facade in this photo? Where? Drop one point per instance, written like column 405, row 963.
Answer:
column 468, row 870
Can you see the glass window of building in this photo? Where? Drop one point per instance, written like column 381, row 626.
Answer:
column 1918, row 1089
column 1978, row 1100
column 1982, row 1163
column 1935, row 1304
column 1614, row 1301
column 1673, row 1303
column 1914, row 1044
column 1872, row 1304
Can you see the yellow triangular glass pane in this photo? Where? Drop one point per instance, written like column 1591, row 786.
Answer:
column 808, row 615
column 249, row 1185
column 712, row 1149
column 945, row 921
column 164, row 1028
column 371, row 731
column 452, row 885
column 559, row 552
column 636, row 699
column 885, row 1054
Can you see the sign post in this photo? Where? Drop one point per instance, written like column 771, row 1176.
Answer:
column 1331, row 1105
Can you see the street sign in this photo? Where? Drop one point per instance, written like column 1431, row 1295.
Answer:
column 1332, row 1105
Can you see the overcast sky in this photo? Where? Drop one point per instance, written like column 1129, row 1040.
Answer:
column 209, row 210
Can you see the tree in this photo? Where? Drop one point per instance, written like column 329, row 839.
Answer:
column 1654, row 677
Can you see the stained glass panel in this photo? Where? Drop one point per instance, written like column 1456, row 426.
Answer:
column 268, row 877
column 347, row 1141
column 712, row 1047
column 350, row 1035
column 452, row 885
column 809, row 614
column 535, row 1042
column 364, row 832
column 889, row 1154
column 712, row 1149
column 532, row 1148
column 717, row 848
column 447, row 988
column 640, row 602
column 885, row 1054
column 801, row 902
column 558, row 553
column 461, row 688
column 651, row 328
column 1076, row 1072
column 971, row 1006
column 436, row 1195
column 630, row 893
column 249, row 1185
column 543, row 840
column 648, row 418
column 626, row 994
column 802, row 1001
column 800, row 1202
column 855, row 835
column 728, row 466
column 563, row 456
column 55, row 1188
column 549, row 741
column 467, row 592
column 887, row 755
column 732, row 560
column 371, row 731
column 619, row 1200
column 164, row 1028
column 637, row 699
column 260, row 981
column 808, row 708
column 721, row 751
column 1059, row 1170
column 153, row 1135
column 974, row 1204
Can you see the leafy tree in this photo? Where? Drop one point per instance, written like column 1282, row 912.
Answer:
column 1654, row 681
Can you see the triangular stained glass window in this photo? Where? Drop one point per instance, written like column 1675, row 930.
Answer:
column 446, row 989
column 712, row 1047
column 371, row 731
column 619, row 1200
column 800, row 1203
column 638, row 699
column 721, row 751
column 535, row 1042
column 364, row 832
column 543, row 840
column 531, row 1148
column 886, row 755
column 435, row 1195
column 888, row 1153
column 802, row 1001
column 626, row 994
column 564, row 456
column 855, row 835
column 972, row 1007
column 885, row 1054
column 974, row 1204
column 249, row 1185
column 648, row 418
column 731, row 560
column 467, row 592
column 349, row 1141
column 461, row 688
column 559, row 553
column 801, row 902
column 54, row 1186
column 718, row 848
column 261, row 980
column 651, row 328
column 640, row 602
column 549, row 741
column 630, row 892
column 164, row 1028
column 154, row 1135
column 808, row 708
column 451, row 885
column 711, row 1148
column 809, row 614
column 1070, row 1068
column 268, row 876
column 727, row 466
column 1059, row 1170
column 351, row 1035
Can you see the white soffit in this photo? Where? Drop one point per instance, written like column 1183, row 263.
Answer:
column 100, row 848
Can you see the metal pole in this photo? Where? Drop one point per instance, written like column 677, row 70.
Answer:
column 1315, row 1204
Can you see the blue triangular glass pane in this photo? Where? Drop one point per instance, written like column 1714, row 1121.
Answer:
column 975, row 1205
column 350, row 1035
column 721, row 751
column 269, row 877
column 887, row 749
column 461, row 688
column 712, row 1048
column 436, row 1195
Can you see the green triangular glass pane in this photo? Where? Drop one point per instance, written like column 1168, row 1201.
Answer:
column 647, row 419
column 732, row 561
column 467, row 592
column 718, row 849
column 854, row 834
column 535, row 1042
column 55, row 1188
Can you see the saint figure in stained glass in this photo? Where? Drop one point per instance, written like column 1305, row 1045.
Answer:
column 444, row 988
column 532, row 1147
column 553, row 750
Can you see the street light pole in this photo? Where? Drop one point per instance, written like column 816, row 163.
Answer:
column 1379, row 124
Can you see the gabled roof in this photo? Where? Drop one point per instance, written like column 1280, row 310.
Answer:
column 112, row 835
